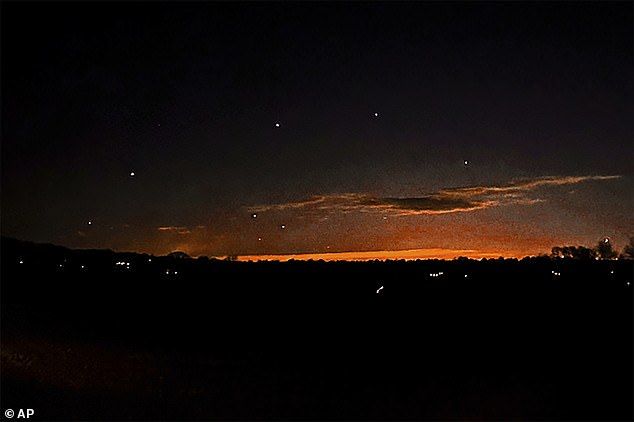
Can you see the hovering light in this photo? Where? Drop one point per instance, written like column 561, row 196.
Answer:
column 131, row 174
column 277, row 124
column 379, row 289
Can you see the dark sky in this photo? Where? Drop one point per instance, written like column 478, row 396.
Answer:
column 536, row 97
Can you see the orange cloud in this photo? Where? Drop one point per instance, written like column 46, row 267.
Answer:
column 449, row 200
column 179, row 230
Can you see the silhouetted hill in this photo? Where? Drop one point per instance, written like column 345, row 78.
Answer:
column 536, row 338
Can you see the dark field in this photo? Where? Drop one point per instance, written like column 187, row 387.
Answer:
column 313, row 340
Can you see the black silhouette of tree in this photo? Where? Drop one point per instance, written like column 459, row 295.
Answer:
column 604, row 249
column 628, row 250
column 574, row 252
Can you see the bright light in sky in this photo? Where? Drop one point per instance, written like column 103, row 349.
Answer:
column 131, row 174
column 277, row 124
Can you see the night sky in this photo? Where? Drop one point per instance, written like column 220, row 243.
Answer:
column 258, row 129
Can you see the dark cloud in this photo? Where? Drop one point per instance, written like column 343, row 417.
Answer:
column 450, row 200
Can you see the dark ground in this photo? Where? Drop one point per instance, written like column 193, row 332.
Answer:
column 313, row 340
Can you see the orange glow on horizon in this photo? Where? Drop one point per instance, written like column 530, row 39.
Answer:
column 409, row 254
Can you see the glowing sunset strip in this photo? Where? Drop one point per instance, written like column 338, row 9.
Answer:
column 408, row 254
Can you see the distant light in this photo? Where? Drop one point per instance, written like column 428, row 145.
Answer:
column 466, row 162
column 175, row 272
column 611, row 272
column 465, row 276
column 131, row 174
column 167, row 271
column 283, row 226
column 376, row 114
column 259, row 239
column 606, row 240
column 379, row 289
column 159, row 125
column 90, row 223
column 277, row 124
column 628, row 283
column 385, row 217
column 254, row 215
column 82, row 267
column 149, row 260
column 21, row 262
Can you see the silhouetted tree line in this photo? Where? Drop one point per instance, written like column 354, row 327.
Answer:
column 603, row 250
